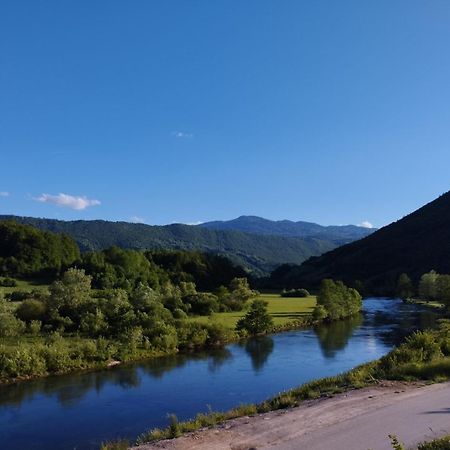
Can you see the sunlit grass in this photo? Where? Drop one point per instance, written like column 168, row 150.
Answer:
column 282, row 309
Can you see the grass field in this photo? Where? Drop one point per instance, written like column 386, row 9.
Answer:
column 23, row 285
column 282, row 309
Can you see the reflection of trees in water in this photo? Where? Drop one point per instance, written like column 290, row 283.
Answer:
column 334, row 336
column 71, row 388
column 402, row 322
column 259, row 349
column 68, row 389
column 158, row 367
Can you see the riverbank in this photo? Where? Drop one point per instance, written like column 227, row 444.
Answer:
column 423, row 356
column 35, row 356
column 412, row 411
column 100, row 406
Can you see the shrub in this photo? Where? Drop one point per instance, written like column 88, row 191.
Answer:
column 34, row 327
column 10, row 326
column 436, row 444
column 174, row 427
column 203, row 304
column 30, row 310
column 8, row 282
column 20, row 362
column 57, row 357
column 295, row 293
column 191, row 335
column 218, row 334
column 19, row 296
column 179, row 314
column 120, row 444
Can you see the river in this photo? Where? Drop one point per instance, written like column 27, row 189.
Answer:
column 79, row 411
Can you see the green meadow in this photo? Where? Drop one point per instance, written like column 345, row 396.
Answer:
column 282, row 309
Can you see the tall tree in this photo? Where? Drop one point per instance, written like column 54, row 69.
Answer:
column 405, row 288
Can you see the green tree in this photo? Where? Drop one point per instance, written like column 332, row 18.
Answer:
column 443, row 289
column 257, row 320
column 336, row 301
column 67, row 298
column 405, row 288
column 427, row 285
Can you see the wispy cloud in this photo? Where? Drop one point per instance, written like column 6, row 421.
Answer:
column 199, row 222
column 137, row 219
column 182, row 135
column 68, row 201
column 4, row 194
column 365, row 224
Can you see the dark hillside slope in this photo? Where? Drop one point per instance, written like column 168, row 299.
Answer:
column 415, row 244
column 260, row 254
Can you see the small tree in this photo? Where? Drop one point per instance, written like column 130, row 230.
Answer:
column 257, row 320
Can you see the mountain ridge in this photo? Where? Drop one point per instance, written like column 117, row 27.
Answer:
column 414, row 244
column 257, row 253
column 259, row 225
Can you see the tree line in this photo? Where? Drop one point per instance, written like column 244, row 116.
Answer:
column 26, row 252
column 432, row 286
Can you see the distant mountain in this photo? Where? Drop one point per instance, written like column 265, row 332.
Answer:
column 258, row 253
column 414, row 244
column 287, row 228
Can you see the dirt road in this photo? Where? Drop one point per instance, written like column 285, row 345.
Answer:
column 357, row 420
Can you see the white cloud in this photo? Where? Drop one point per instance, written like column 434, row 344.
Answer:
column 68, row 201
column 137, row 219
column 182, row 135
column 365, row 224
column 4, row 194
column 199, row 222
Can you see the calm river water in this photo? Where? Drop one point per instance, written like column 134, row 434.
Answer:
column 81, row 410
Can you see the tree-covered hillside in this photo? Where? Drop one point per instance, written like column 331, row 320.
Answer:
column 27, row 251
column 413, row 245
column 258, row 253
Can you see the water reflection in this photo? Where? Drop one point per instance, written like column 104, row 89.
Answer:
column 259, row 350
column 71, row 388
column 393, row 325
column 82, row 409
column 334, row 337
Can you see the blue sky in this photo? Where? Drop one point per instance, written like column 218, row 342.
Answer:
column 186, row 111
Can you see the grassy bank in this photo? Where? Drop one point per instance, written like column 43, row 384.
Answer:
column 424, row 356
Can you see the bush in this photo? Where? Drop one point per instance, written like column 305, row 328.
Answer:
column 34, row 327
column 218, row 334
column 436, row 444
column 179, row 314
column 20, row 362
column 10, row 326
column 295, row 293
column 19, row 296
column 30, row 310
column 8, row 282
column 191, row 335
column 203, row 304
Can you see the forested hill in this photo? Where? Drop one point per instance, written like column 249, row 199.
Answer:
column 340, row 234
column 414, row 245
column 260, row 254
